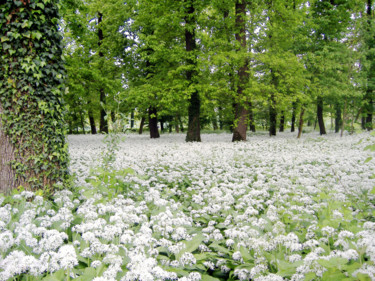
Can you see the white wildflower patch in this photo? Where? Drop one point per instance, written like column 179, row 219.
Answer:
column 268, row 209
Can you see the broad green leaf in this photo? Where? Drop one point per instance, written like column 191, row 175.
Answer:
column 333, row 262
column 206, row 277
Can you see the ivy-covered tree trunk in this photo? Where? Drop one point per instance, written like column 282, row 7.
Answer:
column 32, row 130
column 153, row 123
column 322, row 128
column 240, row 109
column 193, row 131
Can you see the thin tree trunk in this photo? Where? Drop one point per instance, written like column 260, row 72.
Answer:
column 193, row 132
column 177, row 126
column 141, row 125
column 241, row 111
column 273, row 116
column 371, row 72
column 214, row 123
column 292, row 129
column 251, row 119
column 282, row 122
column 132, row 119
column 92, row 122
column 338, row 118
column 153, row 123
column 320, row 117
column 343, row 119
column 181, row 124
column 300, row 126
column 103, row 115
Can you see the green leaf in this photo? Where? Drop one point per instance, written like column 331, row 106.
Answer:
column 191, row 245
column 286, row 269
column 370, row 147
column 333, row 274
column 206, row 277
column 37, row 35
column 368, row 159
column 333, row 262
column 57, row 276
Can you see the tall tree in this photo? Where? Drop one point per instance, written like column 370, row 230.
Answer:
column 32, row 141
column 193, row 130
column 241, row 105
column 103, row 115
column 369, row 40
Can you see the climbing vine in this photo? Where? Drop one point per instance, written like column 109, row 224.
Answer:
column 31, row 87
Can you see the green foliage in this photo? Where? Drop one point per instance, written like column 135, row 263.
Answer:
column 31, row 88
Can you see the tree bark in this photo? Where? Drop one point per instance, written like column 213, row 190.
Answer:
column 282, row 122
column 92, row 122
column 370, row 73
column 132, row 119
column 153, row 123
column 193, row 131
column 273, row 116
column 320, row 117
column 103, row 115
column 241, row 108
column 300, row 126
column 292, row 129
column 7, row 174
column 338, row 118
column 141, row 125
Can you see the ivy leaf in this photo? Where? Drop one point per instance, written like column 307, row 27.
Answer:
column 37, row 35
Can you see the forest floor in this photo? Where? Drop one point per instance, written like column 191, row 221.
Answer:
column 275, row 208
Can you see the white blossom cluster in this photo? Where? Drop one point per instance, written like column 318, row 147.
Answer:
column 268, row 209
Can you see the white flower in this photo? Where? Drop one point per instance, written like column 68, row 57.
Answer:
column 237, row 256
column 187, row 259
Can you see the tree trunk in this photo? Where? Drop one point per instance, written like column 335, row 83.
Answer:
column 92, row 122
column 282, row 122
column 181, row 124
column 113, row 117
column 153, row 123
column 343, row 119
column 300, row 126
column 132, row 119
column 338, row 118
column 371, row 71
column 103, row 115
column 214, row 123
column 141, row 125
column 292, row 129
column 273, row 116
column 240, row 108
column 193, row 132
column 322, row 128
column 32, row 127
column 7, row 174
